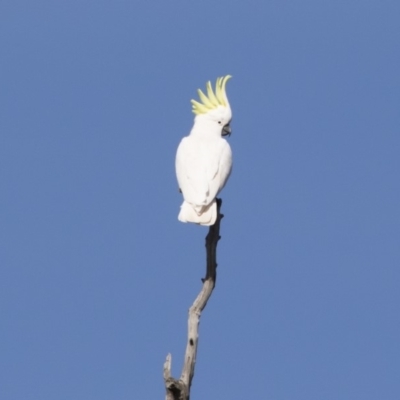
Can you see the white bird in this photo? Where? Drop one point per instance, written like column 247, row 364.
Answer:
column 204, row 158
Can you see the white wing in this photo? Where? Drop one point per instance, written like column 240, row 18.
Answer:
column 203, row 166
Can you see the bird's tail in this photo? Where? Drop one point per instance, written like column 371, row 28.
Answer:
column 205, row 216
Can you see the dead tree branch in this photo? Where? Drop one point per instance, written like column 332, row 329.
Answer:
column 179, row 389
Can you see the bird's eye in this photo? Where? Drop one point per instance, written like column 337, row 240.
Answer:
column 219, row 122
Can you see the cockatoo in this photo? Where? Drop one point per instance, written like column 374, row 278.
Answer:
column 204, row 158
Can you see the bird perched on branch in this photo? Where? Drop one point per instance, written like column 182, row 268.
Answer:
column 204, row 158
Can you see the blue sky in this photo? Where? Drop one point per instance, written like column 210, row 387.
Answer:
column 97, row 274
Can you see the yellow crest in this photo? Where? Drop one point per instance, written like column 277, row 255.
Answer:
column 212, row 100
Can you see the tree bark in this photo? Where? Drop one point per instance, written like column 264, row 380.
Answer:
column 179, row 389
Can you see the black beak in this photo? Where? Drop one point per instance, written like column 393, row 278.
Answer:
column 226, row 130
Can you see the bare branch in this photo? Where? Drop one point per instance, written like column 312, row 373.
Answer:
column 180, row 389
column 212, row 239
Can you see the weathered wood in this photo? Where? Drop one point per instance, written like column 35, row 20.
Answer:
column 175, row 389
column 180, row 389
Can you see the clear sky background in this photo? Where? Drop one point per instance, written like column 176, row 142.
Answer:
column 96, row 272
